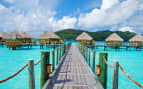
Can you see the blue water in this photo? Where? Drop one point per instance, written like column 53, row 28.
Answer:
column 131, row 61
column 11, row 61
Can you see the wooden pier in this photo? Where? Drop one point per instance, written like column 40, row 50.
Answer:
column 73, row 72
column 127, row 47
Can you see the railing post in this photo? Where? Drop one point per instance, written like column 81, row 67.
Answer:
column 57, row 55
column 89, row 56
column 64, row 48
column 103, row 75
column 43, row 75
column 115, row 75
column 60, row 51
column 53, row 61
column 81, row 48
column 84, row 51
column 54, row 44
column 86, row 54
column 93, row 61
column 31, row 74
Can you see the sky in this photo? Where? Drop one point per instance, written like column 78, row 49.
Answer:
column 37, row 16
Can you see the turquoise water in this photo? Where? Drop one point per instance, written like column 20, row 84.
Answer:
column 131, row 61
column 11, row 61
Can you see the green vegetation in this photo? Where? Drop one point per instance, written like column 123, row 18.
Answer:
column 71, row 34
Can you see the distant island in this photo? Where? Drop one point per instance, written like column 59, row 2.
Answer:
column 71, row 34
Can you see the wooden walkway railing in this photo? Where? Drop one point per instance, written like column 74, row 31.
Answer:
column 73, row 73
column 45, row 68
column 101, row 70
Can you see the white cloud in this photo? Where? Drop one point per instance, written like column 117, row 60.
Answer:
column 31, row 16
column 91, row 5
column 136, row 20
column 65, row 22
column 114, row 28
column 39, row 15
column 10, row 1
column 106, row 4
column 123, row 29
column 1, row 7
column 140, row 6
column 111, row 13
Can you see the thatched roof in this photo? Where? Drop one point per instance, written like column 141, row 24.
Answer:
column 3, row 35
column 114, row 37
column 18, row 35
column 48, row 35
column 137, row 38
column 84, row 36
column 26, row 35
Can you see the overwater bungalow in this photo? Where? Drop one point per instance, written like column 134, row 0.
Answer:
column 17, row 39
column 85, row 39
column 49, row 38
column 22, row 36
column 137, row 40
column 114, row 40
column 3, row 36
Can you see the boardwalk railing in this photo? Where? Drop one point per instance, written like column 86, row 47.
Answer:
column 118, row 47
column 59, row 62
column 46, row 67
column 102, row 67
column 73, row 73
